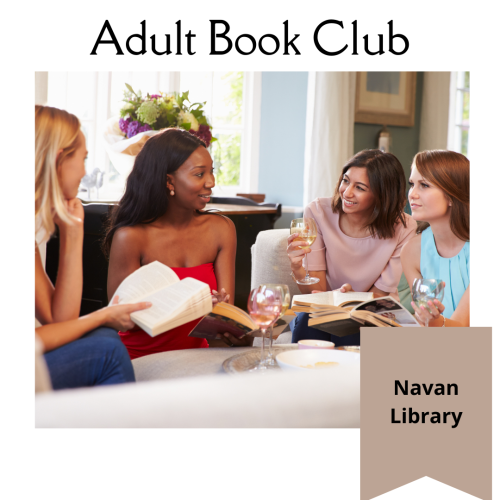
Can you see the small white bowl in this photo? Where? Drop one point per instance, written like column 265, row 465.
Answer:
column 315, row 344
column 300, row 359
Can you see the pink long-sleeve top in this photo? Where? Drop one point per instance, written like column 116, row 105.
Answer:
column 361, row 262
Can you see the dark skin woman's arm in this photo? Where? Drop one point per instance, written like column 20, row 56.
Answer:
column 224, row 266
column 124, row 256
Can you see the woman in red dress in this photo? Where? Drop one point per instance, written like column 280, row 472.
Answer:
column 160, row 218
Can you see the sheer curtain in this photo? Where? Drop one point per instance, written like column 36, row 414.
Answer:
column 329, row 131
column 435, row 111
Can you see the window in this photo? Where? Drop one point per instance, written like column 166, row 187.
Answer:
column 458, row 132
column 232, row 107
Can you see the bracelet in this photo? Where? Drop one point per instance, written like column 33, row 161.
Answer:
column 444, row 322
column 293, row 276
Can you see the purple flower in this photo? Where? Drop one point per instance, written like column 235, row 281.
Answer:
column 132, row 129
column 203, row 133
column 124, row 124
column 144, row 128
column 155, row 96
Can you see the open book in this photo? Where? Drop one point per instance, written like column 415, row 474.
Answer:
column 175, row 301
column 303, row 303
column 342, row 321
column 226, row 318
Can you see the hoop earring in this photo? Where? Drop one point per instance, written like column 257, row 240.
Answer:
column 172, row 192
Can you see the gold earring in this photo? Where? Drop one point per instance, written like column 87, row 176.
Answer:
column 172, row 192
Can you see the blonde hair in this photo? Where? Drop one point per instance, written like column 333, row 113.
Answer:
column 55, row 130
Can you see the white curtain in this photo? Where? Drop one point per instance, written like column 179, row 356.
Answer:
column 329, row 131
column 435, row 111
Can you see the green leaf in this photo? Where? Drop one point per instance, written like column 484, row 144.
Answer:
column 185, row 126
column 131, row 89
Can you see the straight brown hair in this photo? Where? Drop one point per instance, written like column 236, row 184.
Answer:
column 388, row 184
column 449, row 171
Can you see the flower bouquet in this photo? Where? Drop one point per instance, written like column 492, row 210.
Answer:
column 141, row 117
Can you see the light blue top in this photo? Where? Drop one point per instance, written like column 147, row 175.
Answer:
column 454, row 272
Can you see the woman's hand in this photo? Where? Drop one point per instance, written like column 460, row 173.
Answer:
column 75, row 210
column 223, row 296
column 118, row 316
column 233, row 341
column 344, row 288
column 296, row 254
column 433, row 316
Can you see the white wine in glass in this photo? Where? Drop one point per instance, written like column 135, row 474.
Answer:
column 306, row 233
column 424, row 290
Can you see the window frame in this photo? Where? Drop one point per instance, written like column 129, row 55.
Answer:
column 455, row 125
column 58, row 95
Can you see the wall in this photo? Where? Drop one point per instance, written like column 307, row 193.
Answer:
column 404, row 139
column 282, row 136
column 282, row 139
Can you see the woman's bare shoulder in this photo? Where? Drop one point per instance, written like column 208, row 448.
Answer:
column 411, row 249
column 129, row 235
column 219, row 221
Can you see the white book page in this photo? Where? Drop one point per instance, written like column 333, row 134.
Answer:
column 322, row 298
column 202, row 308
column 340, row 298
column 169, row 302
column 146, row 280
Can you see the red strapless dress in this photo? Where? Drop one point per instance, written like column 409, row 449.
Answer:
column 139, row 343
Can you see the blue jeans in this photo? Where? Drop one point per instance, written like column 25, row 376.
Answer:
column 301, row 331
column 97, row 358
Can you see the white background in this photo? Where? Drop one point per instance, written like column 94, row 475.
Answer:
column 185, row 464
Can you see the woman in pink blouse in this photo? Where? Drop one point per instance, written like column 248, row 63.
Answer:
column 361, row 231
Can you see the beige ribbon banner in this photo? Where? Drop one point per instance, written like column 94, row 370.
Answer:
column 426, row 408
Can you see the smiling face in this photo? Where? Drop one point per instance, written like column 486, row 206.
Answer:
column 355, row 192
column 193, row 181
column 72, row 168
column 427, row 201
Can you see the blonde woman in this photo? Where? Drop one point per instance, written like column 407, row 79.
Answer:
column 79, row 351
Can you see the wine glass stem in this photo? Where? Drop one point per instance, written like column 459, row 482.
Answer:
column 270, row 352
column 307, row 269
column 263, row 330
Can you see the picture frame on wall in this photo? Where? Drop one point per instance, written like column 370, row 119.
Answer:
column 386, row 97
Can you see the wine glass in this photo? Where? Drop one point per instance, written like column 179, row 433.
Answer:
column 308, row 231
column 285, row 302
column 423, row 290
column 264, row 306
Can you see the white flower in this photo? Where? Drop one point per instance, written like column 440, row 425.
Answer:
column 115, row 129
column 189, row 118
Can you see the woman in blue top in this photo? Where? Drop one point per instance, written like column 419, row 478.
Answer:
column 439, row 200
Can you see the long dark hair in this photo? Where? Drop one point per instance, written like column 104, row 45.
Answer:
column 388, row 184
column 146, row 196
column 449, row 171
